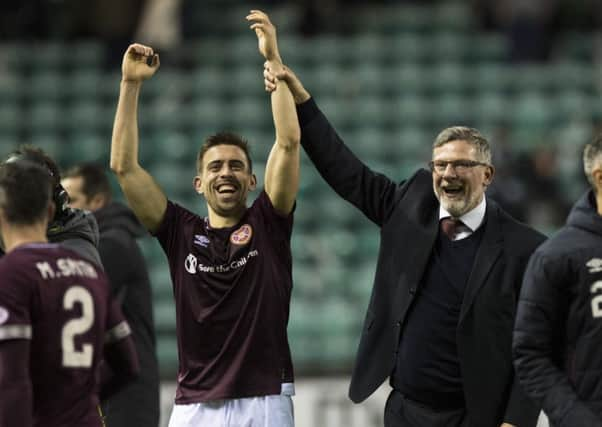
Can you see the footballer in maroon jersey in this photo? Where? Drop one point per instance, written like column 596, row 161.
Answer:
column 56, row 318
column 231, row 271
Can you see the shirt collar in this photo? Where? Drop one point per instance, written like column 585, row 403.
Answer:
column 472, row 219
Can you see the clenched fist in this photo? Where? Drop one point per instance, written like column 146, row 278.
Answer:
column 135, row 66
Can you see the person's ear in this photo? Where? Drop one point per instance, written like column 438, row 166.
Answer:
column 253, row 182
column 197, row 183
column 488, row 175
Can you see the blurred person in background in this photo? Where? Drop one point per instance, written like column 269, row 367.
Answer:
column 232, row 270
column 449, row 272
column 530, row 26
column 89, row 189
column 558, row 331
column 58, row 325
column 74, row 229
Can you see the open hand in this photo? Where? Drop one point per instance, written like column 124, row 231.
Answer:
column 266, row 35
column 135, row 66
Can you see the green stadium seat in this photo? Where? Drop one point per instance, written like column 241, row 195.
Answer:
column 414, row 109
column 411, row 48
column 450, row 46
column 167, row 353
column 47, row 85
column 50, row 142
column 161, row 281
column 247, row 80
column 576, row 46
column 85, row 84
column 165, row 315
column 362, row 276
column 249, row 112
column 490, row 107
column 46, row 116
column 491, row 76
column 86, row 146
column 85, row 54
column 48, row 55
column 370, row 49
column 490, row 47
column 454, row 17
column 207, row 115
column 10, row 118
column 411, row 142
column 412, row 79
column 452, row 110
column 450, row 77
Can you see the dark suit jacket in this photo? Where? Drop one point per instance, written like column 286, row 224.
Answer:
column 408, row 215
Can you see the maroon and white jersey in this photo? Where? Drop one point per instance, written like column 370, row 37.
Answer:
column 60, row 302
column 232, row 289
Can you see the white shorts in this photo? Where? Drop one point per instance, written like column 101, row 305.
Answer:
column 264, row 411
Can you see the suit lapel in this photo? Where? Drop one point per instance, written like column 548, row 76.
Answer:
column 487, row 254
column 424, row 240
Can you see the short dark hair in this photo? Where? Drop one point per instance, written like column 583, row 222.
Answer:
column 224, row 138
column 591, row 156
column 38, row 156
column 25, row 192
column 94, row 179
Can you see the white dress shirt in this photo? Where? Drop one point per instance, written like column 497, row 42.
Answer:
column 472, row 219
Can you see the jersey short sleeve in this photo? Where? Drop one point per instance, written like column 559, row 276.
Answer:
column 280, row 225
column 170, row 231
column 15, row 305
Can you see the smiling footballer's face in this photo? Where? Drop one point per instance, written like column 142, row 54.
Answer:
column 225, row 180
column 459, row 177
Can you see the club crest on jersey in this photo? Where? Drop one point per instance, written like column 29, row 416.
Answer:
column 594, row 265
column 242, row 235
column 190, row 264
column 3, row 315
column 201, row 240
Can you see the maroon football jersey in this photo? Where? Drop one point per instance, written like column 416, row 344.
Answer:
column 232, row 289
column 59, row 301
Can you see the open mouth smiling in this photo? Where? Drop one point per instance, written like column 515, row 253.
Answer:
column 226, row 188
column 452, row 190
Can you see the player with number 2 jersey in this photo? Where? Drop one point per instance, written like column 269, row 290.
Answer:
column 59, row 303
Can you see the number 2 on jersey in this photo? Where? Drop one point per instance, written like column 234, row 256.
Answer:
column 73, row 358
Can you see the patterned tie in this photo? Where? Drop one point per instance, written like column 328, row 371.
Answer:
column 451, row 227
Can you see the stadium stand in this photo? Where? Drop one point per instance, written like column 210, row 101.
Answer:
column 389, row 85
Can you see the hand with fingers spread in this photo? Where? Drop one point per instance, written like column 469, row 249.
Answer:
column 266, row 35
column 272, row 73
column 135, row 66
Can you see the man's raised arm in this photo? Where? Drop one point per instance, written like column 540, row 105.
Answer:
column 282, row 169
column 143, row 194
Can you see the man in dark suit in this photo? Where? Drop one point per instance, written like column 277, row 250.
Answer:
column 449, row 271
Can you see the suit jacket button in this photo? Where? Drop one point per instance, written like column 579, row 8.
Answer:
column 412, row 290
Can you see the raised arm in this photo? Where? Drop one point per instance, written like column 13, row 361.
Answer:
column 142, row 192
column 282, row 168
column 373, row 193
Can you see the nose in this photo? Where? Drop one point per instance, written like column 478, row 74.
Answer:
column 226, row 170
